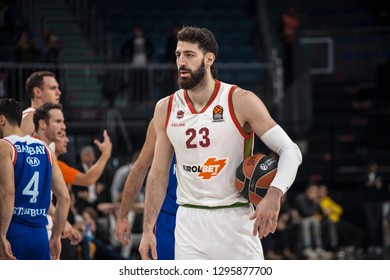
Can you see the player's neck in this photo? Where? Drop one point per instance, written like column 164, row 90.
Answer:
column 201, row 94
column 35, row 103
column 14, row 131
column 42, row 136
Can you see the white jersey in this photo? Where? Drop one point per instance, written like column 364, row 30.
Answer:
column 29, row 110
column 209, row 146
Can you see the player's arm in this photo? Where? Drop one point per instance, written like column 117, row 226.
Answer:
column 69, row 231
column 69, row 173
column 61, row 192
column 7, row 198
column 96, row 170
column 156, row 185
column 253, row 115
column 133, row 185
column 27, row 125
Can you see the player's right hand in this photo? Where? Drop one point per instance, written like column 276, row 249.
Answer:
column 123, row 231
column 266, row 215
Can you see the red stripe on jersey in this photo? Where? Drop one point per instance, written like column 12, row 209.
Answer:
column 48, row 153
column 233, row 115
column 189, row 103
column 169, row 109
column 213, row 96
column 215, row 93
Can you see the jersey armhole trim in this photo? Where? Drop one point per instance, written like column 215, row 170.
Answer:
column 14, row 153
column 233, row 115
column 48, row 153
column 170, row 102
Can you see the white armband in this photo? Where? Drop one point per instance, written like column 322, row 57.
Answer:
column 290, row 157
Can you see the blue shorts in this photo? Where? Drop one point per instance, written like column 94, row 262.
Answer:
column 165, row 235
column 29, row 243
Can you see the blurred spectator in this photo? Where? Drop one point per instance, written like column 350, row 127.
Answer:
column 111, row 209
column 310, row 211
column 87, row 226
column 54, row 46
column 74, row 176
column 347, row 235
column 372, row 205
column 120, row 177
column 6, row 24
column 40, row 41
column 386, row 225
column 280, row 244
column 88, row 159
column 25, row 50
column 138, row 49
column 373, row 178
column 95, row 192
column 289, row 26
column 170, row 47
column 135, row 217
column 112, row 85
column 93, row 246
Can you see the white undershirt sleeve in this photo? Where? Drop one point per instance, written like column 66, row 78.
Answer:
column 290, row 157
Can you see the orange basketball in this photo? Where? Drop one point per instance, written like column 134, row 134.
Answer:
column 254, row 176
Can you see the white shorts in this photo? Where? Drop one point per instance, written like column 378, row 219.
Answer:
column 49, row 225
column 216, row 234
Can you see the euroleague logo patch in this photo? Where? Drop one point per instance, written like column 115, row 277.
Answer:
column 211, row 168
column 218, row 114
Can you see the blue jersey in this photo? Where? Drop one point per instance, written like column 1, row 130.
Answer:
column 33, row 173
column 166, row 221
column 169, row 205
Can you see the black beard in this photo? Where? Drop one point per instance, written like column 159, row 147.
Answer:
column 195, row 78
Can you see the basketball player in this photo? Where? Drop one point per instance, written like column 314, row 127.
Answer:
column 42, row 87
column 49, row 122
column 165, row 225
column 209, row 125
column 49, row 126
column 29, row 172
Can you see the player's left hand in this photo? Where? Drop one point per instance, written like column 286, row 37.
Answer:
column 266, row 214
column 148, row 246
